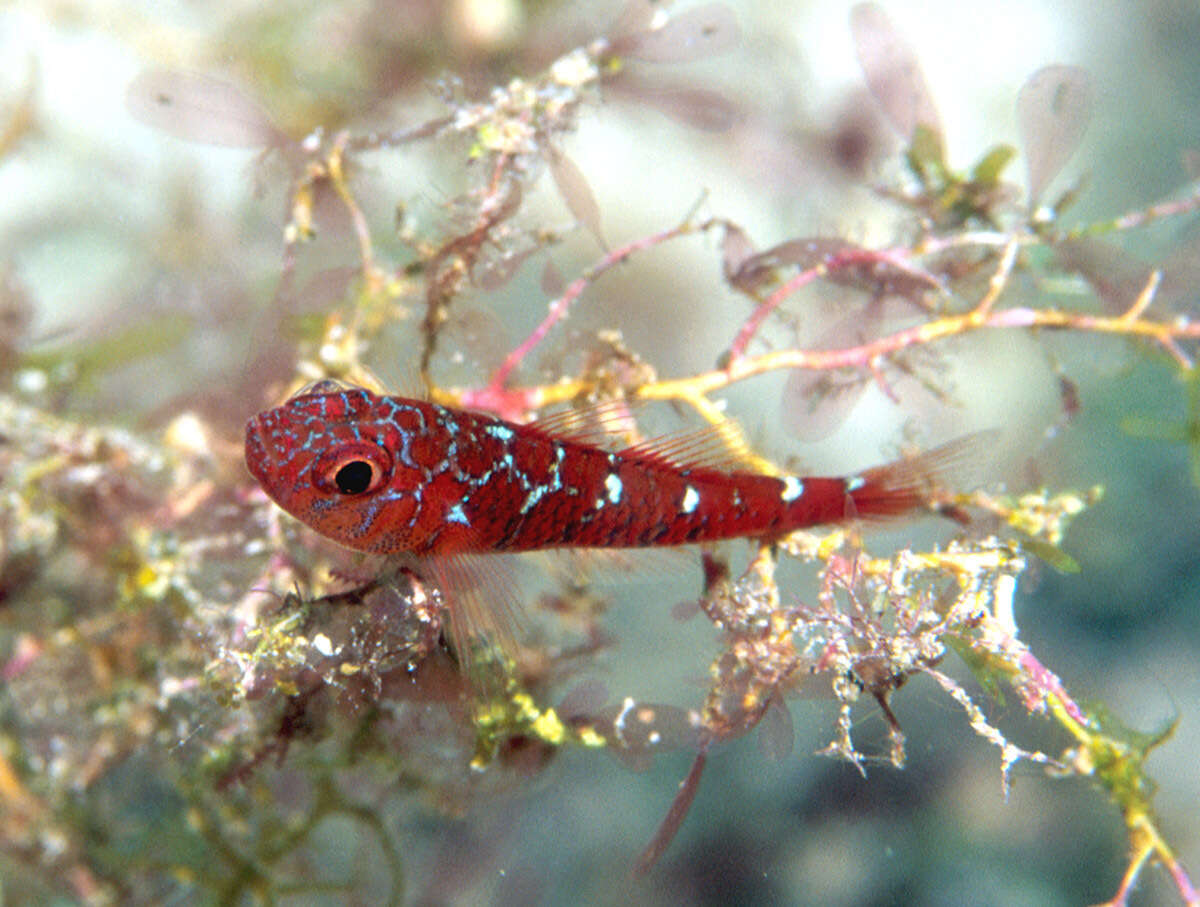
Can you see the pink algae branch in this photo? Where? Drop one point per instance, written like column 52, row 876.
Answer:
column 1045, row 686
column 1166, row 333
column 514, row 402
column 834, row 262
column 495, row 396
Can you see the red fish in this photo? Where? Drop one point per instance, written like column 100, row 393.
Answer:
column 391, row 475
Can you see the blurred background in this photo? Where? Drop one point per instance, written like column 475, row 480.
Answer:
column 140, row 276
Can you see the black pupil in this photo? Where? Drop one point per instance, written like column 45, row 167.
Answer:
column 354, row 477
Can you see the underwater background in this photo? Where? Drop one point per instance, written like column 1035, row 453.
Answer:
column 206, row 208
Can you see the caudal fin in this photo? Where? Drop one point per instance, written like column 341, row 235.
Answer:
column 914, row 483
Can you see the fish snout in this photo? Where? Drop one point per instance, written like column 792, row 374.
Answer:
column 256, row 451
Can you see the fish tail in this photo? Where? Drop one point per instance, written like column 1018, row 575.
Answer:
column 913, row 483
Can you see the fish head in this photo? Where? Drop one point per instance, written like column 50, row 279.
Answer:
column 333, row 456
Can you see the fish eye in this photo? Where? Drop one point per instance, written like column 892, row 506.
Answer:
column 355, row 477
column 352, row 469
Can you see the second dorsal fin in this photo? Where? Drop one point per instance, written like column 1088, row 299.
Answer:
column 707, row 447
column 605, row 423
column 610, row 424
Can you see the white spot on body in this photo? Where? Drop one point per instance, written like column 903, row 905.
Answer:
column 853, row 483
column 691, row 500
column 456, row 515
column 613, row 484
column 792, row 489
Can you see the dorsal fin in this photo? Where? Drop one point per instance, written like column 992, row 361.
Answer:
column 410, row 384
column 706, row 447
column 610, row 424
column 604, row 423
column 363, row 379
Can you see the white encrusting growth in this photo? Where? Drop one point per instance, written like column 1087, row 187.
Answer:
column 792, row 489
column 691, row 500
